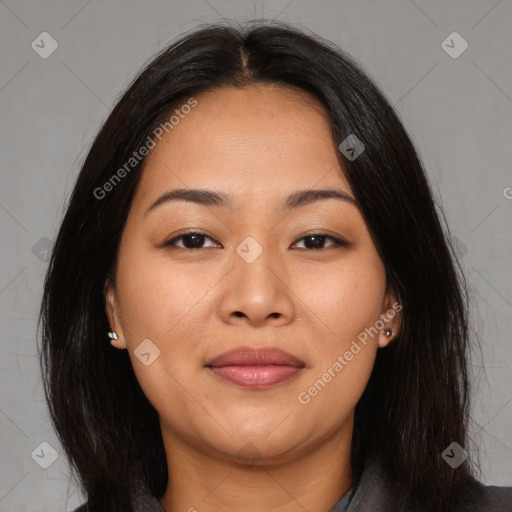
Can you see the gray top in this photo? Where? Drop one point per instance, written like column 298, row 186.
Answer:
column 374, row 494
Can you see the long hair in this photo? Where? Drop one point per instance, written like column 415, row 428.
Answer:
column 416, row 401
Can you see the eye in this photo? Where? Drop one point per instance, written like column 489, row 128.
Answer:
column 195, row 240
column 192, row 240
column 316, row 241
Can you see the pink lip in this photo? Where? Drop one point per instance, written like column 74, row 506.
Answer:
column 255, row 367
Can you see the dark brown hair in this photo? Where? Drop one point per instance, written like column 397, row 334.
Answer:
column 416, row 401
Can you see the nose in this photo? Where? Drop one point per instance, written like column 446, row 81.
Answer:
column 257, row 293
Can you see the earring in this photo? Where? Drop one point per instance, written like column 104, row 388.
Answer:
column 112, row 335
column 388, row 332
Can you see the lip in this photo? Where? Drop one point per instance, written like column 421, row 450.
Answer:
column 255, row 367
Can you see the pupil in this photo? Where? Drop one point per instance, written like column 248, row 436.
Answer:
column 317, row 241
column 197, row 241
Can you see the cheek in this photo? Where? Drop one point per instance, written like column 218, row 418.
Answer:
column 348, row 298
column 162, row 304
column 155, row 299
column 334, row 391
column 157, row 304
column 349, row 304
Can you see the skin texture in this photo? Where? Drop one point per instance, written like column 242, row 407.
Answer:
column 258, row 144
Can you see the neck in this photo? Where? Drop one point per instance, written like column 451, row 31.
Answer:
column 313, row 479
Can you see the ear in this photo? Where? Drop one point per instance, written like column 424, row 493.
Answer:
column 390, row 316
column 112, row 311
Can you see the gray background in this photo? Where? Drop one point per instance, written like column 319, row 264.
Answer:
column 457, row 111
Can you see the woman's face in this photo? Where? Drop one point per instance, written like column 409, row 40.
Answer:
column 252, row 278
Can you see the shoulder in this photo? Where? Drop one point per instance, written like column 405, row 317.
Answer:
column 377, row 492
column 473, row 496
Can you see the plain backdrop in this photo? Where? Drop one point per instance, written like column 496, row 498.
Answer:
column 456, row 105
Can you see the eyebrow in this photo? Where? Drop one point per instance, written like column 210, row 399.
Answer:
column 212, row 198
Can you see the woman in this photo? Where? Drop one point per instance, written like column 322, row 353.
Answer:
column 254, row 234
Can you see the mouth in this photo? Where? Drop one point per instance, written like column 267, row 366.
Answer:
column 255, row 367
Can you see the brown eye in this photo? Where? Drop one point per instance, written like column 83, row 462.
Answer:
column 196, row 240
column 192, row 240
column 316, row 241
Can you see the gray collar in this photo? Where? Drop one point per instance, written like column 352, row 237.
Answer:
column 370, row 494
column 376, row 493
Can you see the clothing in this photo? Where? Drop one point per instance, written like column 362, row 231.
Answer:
column 373, row 494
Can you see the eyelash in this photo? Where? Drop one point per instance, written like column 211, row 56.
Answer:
column 337, row 241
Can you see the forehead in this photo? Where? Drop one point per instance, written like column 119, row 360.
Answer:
column 252, row 142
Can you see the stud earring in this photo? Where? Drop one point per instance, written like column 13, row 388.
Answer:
column 388, row 332
column 112, row 335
